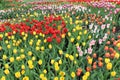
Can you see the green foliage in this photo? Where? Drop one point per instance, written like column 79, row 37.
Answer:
column 6, row 4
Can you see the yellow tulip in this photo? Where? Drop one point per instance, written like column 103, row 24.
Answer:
column 29, row 53
column 17, row 75
column 72, row 39
column 109, row 66
column 3, row 78
column 78, row 37
column 25, row 78
column 113, row 73
column 42, row 48
column 90, row 61
column 107, row 60
column 4, row 57
column 62, row 78
column 44, row 71
column 73, row 74
column 56, row 78
column 15, row 51
column 52, row 61
column 41, row 76
column 40, row 62
column 6, row 66
column 6, row 71
column 50, row 46
column 69, row 34
column 22, row 66
column 117, row 55
column 71, row 57
column 11, row 59
column 60, row 61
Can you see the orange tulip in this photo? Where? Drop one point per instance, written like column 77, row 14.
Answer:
column 94, row 66
column 111, row 49
column 100, row 64
column 114, row 29
column 119, row 48
column 88, row 69
column 100, row 58
column 112, row 39
column 107, row 55
column 94, row 55
column 108, row 42
column 94, row 63
column 112, row 55
column 114, row 43
column 106, row 48
column 118, row 36
column 79, row 71
column 108, row 32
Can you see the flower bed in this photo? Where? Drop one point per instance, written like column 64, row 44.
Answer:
column 60, row 42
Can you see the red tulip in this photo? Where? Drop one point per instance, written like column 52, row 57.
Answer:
column 58, row 39
column 49, row 39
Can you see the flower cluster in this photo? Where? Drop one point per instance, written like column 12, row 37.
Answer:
column 46, row 27
column 60, row 42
